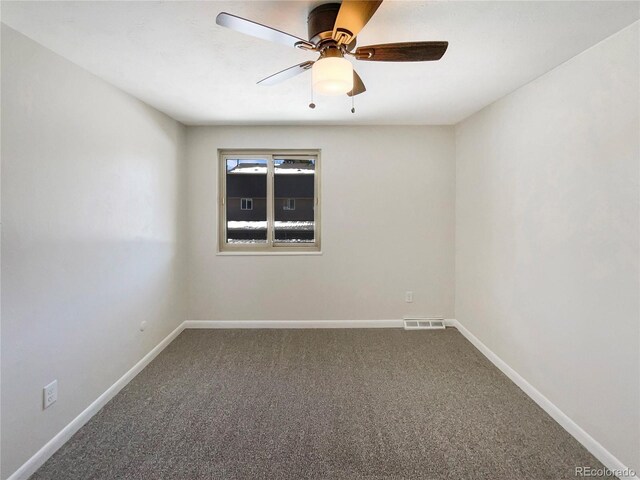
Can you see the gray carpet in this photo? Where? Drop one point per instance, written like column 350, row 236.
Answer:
column 319, row 404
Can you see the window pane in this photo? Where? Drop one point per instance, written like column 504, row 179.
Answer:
column 294, row 184
column 246, row 201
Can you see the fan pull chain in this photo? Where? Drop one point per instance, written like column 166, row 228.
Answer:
column 312, row 105
column 353, row 104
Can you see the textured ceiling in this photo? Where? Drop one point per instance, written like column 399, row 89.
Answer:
column 174, row 57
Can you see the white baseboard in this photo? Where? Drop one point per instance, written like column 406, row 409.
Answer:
column 42, row 455
column 37, row 460
column 597, row 450
column 293, row 324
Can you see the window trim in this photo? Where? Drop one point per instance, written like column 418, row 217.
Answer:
column 287, row 205
column 271, row 247
column 248, row 202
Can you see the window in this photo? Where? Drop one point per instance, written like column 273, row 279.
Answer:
column 246, row 204
column 269, row 201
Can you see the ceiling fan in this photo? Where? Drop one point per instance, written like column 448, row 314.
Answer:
column 333, row 29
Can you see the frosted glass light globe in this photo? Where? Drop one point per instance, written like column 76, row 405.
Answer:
column 332, row 76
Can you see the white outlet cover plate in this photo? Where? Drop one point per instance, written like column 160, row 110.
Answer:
column 50, row 394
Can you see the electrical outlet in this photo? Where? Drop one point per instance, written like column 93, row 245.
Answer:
column 408, row 297
column 50, row 394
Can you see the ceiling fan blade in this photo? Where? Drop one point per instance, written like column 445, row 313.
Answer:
column 248, row 27
column 286, row 74
column 352, row 17
column 403, row 52
column 358, row 85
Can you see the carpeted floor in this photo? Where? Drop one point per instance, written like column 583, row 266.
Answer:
column 319, row 404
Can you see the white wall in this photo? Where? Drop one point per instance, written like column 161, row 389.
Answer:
column 387, row 226
column 91, row 194
column 547, row 237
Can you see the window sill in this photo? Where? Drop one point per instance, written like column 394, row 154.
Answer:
column 266, row 254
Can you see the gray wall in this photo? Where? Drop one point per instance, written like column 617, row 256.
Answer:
column 91, row 239
column 547, row 237
column 387, row 196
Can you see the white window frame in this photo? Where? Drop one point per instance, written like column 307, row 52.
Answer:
column 248, row 202
column 271, row 246
column 288, row 202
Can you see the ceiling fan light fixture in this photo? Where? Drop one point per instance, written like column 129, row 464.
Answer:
column 332, row 76
column 333, row 29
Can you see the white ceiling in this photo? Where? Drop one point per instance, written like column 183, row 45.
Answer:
column 174, row 57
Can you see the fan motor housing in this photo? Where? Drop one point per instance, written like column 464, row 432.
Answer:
column 321, row 21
